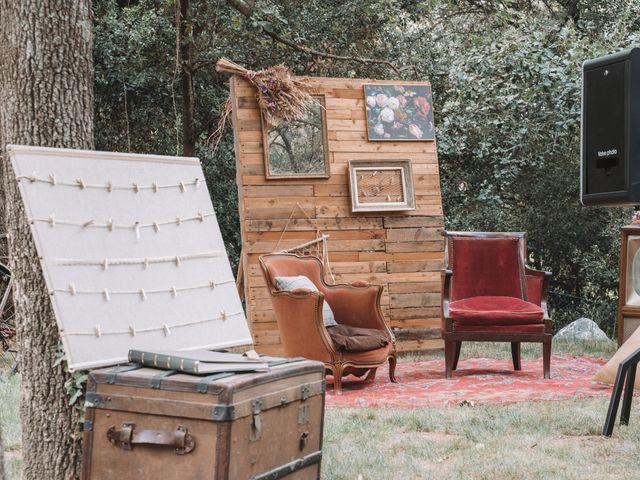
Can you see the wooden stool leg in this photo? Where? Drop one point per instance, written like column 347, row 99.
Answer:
column 456, row 356
column 628, row 395
column 392, row 368
column 515, row 355
column 449, row 352
column 616, row 394
column 371, row 375
column 546, row 357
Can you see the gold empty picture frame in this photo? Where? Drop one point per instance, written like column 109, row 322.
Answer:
column 381, row 185
column 298, row 149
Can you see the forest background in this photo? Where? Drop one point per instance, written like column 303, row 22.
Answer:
column 506, row 77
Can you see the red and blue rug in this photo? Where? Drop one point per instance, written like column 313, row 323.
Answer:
column 477, row 381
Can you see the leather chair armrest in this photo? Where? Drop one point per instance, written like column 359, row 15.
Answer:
column 301, row 326
column 358, row 305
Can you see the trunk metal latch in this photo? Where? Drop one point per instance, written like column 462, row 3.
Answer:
column 255, row 433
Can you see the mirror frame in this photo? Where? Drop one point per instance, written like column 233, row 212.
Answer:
column 325, row 142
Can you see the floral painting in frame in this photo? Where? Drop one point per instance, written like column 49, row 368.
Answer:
column 399, row 112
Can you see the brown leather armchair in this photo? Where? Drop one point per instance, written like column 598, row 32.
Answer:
column 489, row 294
column 302, row 329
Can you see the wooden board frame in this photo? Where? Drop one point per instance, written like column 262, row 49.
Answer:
column 320, row 98
column 402, row 166
column 403, row 251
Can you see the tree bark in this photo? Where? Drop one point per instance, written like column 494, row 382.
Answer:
column 187, row 60
column 2, row 474
column 46, row 99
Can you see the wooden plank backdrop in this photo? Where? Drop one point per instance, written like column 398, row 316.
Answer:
column 401, row 250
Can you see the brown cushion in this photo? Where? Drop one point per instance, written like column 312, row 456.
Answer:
column 356, row 339
column 607, row 374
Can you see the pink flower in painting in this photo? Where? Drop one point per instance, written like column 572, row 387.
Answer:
column 382, row 99
column 422, row 106
column 396, row 126
column 398, row 88
column 402, row 101
column 415, row 130
column 371, row 101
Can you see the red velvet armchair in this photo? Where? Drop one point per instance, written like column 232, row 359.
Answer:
column 489, row 294
column 300, row 322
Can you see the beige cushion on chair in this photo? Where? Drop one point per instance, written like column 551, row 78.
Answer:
column 300, row 281
column 607, row 374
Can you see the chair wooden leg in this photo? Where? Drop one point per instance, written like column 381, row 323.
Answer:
column 456, row 356
column 515, row 355
column 337, row 379
column 392, row 368
column 546, row 357
column 371, row 375
column 449, row 352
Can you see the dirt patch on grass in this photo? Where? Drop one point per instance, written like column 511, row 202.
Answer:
column 563, row 440
column 437, row 437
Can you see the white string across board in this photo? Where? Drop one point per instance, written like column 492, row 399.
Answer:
column 131, row 252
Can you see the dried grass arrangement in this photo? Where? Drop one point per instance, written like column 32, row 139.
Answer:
column 281, row 95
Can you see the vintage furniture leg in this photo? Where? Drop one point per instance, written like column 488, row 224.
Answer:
column 546, row 356
column 449, row 354
column 392, row 368
column 456, row 355
column 515, row 354
column 626, row 374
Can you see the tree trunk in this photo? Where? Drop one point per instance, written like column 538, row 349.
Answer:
column 187, row 59
column 2, row 474
column 46, row 99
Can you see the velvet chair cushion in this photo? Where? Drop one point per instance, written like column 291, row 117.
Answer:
column 485, row 266
column 533, row 328
column 495, row 310
column 300, row 281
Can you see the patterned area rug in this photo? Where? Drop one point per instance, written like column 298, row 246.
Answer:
column 477, row 380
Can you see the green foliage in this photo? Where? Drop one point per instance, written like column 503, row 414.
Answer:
column 75, row 385
column 506, row 78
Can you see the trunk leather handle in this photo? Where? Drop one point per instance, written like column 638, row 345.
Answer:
column 127, row 436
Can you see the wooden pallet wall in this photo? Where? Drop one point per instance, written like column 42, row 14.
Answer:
column 401, row 250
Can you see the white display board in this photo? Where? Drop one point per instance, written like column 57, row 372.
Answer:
column 131, row 253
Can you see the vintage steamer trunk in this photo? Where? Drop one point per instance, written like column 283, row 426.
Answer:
column 145, row 423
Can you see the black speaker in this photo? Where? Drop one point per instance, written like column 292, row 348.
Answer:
column 610, row 133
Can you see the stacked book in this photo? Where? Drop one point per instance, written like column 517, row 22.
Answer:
column 199, row 362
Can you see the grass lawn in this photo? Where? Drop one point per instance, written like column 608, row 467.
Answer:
column 537, row 440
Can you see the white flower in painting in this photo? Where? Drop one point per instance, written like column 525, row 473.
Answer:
column 393, row 103
column 415, row 130
column 387, row 115
column 371, row 101
column 379, row 129
column 387, row 135
column 381, row 100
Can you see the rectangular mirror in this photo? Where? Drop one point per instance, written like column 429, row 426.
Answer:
column 298, row 149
